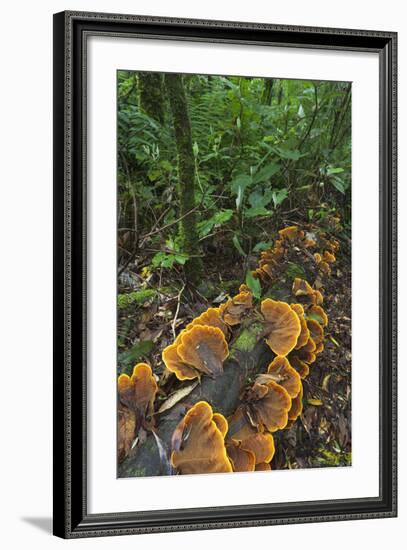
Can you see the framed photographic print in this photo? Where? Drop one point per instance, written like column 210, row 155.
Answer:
column 225, row 274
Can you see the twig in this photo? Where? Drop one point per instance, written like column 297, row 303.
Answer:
column 174, row 321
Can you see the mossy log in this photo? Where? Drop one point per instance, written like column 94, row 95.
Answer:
column 248, row 356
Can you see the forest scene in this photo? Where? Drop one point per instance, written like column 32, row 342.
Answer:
column 233, row 274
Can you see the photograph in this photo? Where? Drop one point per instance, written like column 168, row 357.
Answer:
column 234, row 274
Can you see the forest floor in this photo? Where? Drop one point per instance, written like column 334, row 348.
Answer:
column 154, row 307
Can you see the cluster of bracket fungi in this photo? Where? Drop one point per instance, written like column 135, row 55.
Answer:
column 205, row 441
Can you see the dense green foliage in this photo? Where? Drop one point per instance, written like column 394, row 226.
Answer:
column 265, row 152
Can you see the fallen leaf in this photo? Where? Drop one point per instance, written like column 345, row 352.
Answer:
column 315, row 402
column 174, row 398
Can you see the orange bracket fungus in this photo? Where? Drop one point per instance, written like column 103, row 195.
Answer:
column 268, row 405
column 245, row 446
column 300, row 366
column 210, row 317
column 284, row 374
column 304, row 334
column 198, row 443
column 138, row 391
column 291, row 233
column 282, row 324
column 296, row 409
column 318, row 314
column 316, row 331
column 200, row 350
column 302, row 288
column 233, row 311
column 328, row 257
column 242, row 460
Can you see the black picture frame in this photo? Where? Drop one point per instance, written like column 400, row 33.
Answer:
column 71, row 519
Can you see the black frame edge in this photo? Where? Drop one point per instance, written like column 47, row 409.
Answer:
column 70, row 515
column 59, row 507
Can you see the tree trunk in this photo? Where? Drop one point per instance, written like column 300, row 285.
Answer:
column 186, row 174
column 151, row 95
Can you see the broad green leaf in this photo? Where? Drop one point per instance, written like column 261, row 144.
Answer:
column 265, row 173
column 289, row 154
column 262, row 246
column 257, row 211
column 254, row 285
column 206, row 226
column 240, row 182
column 331, row 171
column 279, row 196
column 338, row 184
column 238, row 246
column 257, row 198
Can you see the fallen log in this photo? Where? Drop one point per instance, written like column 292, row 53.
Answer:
column 248, row 356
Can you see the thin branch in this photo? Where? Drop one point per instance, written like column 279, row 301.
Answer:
column 174, row 321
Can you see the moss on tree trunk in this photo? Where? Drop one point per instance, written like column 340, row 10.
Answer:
column 186, row 174
column 150, row 87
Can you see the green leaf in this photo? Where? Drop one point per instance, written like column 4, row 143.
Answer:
column 262, row 246
column 162, row 259
column 338, row 184
column 195, row 149
column 238, row 246
column 256, row 198
column 265, row 173
column 240, row 182
column 254, row 285
column 279, row 196
column 134, row 354
column 206, row 226
column 331, row 171
column 289, row 154
column 257, row 211
column 180, row 259
column 294, row 270
column 315, row 317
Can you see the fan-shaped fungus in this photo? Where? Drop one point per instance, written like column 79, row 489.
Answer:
column 296, row 406
column 263, row 467
column 204, row 348
column 240, row 427
column 242, row 460
column 126, row 431
column 302, row 288
column 291, row 233
column 317, row 298
column 328, row 257
column 318, row 314
column 198, row 444
column 304, row 334
column 324, row 267
column 282, row 324
column 310, row 346
column 268, row 405
column 261, row 445
column 300, row 366
column 201, row 349
column 245, row 446
column 174, row 363
column 283, row 373
column 316, row 331
column 233, row 311
column 138, row 391
column 210, row 317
